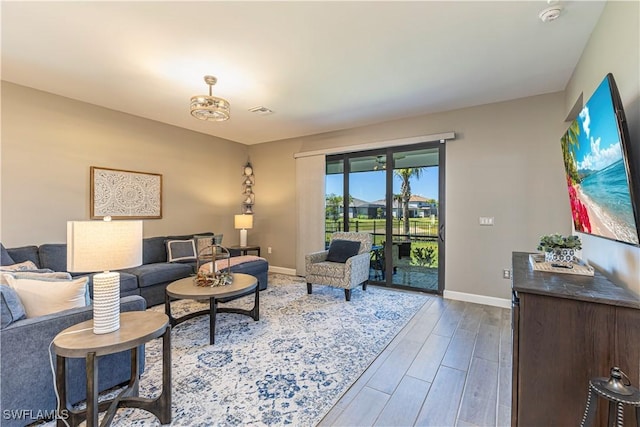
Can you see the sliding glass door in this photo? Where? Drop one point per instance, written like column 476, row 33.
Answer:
column 396, row 195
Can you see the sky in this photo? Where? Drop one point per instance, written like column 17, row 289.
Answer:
column 599, row 140
column 370, row 186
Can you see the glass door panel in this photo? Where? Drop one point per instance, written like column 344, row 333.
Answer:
column 367, row 205
column 334, row 192
column 415, row 249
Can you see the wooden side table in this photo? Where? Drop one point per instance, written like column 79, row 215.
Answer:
column 136, row 328
column 244, row 249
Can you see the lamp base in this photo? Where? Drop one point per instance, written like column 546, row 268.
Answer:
column 106, row 302
column 243, row 237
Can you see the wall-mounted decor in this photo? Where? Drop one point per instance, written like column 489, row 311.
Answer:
column 125, row 194
column 248, row 195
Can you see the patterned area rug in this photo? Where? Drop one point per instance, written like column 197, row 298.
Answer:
column 290, row 367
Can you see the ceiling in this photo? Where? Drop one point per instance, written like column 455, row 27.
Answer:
column 320, row 66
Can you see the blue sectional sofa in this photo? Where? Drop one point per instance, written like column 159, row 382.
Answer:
column 27, row 390
column 149, row 279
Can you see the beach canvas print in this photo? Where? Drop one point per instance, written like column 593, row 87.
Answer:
column 596, row 171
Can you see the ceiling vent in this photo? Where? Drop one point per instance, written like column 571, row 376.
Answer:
column 262, row 111
column 550, row 14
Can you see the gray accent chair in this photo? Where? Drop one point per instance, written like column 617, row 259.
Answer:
column 354, row 272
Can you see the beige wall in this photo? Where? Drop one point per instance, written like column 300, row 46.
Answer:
column 506, row 162
column 275, row 210
column 49, row 143
column 614, row 47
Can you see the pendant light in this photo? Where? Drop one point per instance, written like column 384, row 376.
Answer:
column 208, row 107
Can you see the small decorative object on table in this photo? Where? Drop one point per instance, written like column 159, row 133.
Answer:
column 560, row 250
column 214, row 275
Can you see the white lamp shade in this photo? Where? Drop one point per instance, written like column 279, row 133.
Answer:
column 103, row 245
column 243, row 221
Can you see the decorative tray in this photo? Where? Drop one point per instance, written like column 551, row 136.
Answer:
column 539, row 264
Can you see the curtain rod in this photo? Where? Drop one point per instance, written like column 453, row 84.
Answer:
column 442, row 137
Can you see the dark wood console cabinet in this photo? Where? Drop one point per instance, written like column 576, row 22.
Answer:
column 567, row 329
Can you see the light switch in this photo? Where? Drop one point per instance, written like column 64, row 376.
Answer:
column 486, row 220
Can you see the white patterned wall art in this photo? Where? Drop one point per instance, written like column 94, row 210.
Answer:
column 125, row 194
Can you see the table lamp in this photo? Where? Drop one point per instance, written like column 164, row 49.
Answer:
column 103, row 246
column 243, row 222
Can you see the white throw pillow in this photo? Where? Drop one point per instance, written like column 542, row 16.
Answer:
column 41, row 297
column 56, row 275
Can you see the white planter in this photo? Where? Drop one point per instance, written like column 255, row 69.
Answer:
column 561, row 256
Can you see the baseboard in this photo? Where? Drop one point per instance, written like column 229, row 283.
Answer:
column 460, row 296
column 478, row 299
column 282, row 270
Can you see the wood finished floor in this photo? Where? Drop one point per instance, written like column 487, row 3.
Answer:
column 450, row 366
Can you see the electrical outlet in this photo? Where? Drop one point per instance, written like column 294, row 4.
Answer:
column 506, row 274
column 269, row 250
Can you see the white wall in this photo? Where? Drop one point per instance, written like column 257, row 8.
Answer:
column 614, row 47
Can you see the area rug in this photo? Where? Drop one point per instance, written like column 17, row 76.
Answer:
column 288, row 368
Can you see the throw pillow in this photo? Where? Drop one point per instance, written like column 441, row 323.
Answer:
column 5, row 258
column 21, row 266
column 11, row 307
column 181, row 250
column 41, row 297
column 342, row 250
column 203, row 242
column 41, row 274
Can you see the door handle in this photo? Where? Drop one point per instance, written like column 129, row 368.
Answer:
column 441, row 233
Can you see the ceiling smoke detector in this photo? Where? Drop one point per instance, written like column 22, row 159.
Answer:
column 550, row 14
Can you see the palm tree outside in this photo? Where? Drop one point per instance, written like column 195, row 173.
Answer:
column 405, row 191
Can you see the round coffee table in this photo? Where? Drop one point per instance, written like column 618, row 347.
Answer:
column 243, row 284
column 136, row 328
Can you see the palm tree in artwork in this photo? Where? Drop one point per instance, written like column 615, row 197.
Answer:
column 405, row 191
column 570, row 145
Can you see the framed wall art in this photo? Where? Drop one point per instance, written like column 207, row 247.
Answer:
column 124, row 194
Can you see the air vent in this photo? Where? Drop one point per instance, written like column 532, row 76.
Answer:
column 263, row 111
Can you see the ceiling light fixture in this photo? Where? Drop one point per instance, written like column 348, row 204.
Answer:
column 381, row 163
column 210, row 108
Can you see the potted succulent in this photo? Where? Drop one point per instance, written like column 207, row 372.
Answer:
column 559, row 249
